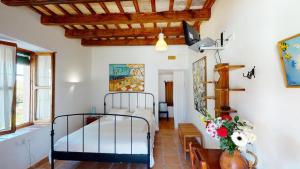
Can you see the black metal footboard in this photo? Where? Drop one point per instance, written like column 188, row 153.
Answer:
column 99, row 157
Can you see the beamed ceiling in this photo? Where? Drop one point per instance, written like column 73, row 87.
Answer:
column 120, row 22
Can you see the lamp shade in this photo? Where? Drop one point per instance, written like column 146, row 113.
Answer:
column 161, row 44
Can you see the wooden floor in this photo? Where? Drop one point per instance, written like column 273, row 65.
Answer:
column 167, row 154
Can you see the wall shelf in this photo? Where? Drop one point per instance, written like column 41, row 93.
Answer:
column 238, row 89
column 231, row 89
column 222, row 89
column 226, row 111
column 210, row 97
column 228, row 67
column 213, row 82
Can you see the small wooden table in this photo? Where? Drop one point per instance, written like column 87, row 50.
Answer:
column 188, row 133
column 211, row 157
column 90, row 119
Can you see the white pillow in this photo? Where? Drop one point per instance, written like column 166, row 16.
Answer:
column 118, row 111
column 144, row 110
column 144, row 113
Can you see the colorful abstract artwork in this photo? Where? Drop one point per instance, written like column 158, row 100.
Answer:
column 290, row 58
column 199, row 85
column 126, row 77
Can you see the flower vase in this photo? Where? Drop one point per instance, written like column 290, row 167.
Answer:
column 234, row 161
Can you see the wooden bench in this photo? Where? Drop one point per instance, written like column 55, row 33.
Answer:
column 189, row 133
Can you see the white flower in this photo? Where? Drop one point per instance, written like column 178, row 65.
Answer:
column 251, row 137
column 239, row 138
column 248, row 124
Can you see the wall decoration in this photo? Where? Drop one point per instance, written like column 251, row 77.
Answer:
column 126, row 77
column 199, row 85
column 290, row 59
column 250, row 73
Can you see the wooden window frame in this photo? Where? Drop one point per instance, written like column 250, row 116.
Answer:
column 32, row 111
column 30, row 123
column 35, row 87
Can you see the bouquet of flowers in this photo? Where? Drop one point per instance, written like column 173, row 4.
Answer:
column 233, row 134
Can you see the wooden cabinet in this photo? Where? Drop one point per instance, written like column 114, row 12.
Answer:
column 169, row 93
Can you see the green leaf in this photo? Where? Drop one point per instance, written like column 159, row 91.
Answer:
column 236, row 119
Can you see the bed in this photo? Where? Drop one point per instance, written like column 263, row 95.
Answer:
column 123, row 133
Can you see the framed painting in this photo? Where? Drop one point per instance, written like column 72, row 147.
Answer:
column 126, row 77
column 199, row 85
column 289, row 50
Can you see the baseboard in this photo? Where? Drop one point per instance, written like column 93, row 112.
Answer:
column 39, row 163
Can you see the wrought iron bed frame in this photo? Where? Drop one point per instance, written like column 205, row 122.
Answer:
column 102, row 157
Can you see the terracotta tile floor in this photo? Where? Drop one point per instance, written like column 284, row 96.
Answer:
column 167, row 154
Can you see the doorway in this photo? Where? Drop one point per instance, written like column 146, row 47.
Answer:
column 166, row 110
column 172, row 94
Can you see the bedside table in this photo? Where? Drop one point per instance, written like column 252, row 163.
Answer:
column 90, row 119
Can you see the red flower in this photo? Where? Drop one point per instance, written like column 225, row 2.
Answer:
column 222, row 132
column 226, row 117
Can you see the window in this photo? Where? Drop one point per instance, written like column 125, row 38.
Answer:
column 31, row 91
column 23, row 94
column 43, row 88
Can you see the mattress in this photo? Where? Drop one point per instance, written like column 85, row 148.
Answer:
column 107, row 137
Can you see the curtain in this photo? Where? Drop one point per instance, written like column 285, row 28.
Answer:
column 44, row 79
column 7, row 82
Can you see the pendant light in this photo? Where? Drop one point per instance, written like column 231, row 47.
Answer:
column 161, row 44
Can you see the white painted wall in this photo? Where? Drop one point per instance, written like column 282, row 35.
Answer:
column 257, row 26
column 153, row 60
column 179, row 98
column 72, row 62
column 164, row 77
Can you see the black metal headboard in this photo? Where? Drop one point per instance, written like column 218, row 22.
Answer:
column 130, row 100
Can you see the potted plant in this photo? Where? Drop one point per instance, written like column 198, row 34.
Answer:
column 234, row 135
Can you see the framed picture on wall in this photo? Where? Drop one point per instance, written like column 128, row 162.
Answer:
column 126, row 77
column 199, row 85
column 289, row 50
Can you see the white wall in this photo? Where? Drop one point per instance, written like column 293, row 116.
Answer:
column 162, row 78
column 72, row 62
column 257, row 26
column 179, row 95
column 153, row 60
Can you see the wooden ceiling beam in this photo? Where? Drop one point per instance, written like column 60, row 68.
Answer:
column 75, row 9
column 118, row 2
column 130, row 42
column 188, row 4
column 122, row 32
column 103, row 19
column 171, row 5
column 153, row 5
column 208, row 4
column 136, row 6
column 47, row 2
column 103, row 6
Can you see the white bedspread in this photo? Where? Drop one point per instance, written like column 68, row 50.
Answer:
column 123, row 137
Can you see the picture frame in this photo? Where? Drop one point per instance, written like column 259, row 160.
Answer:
column 126, row 77
column 289, row 50
column 199, row 70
